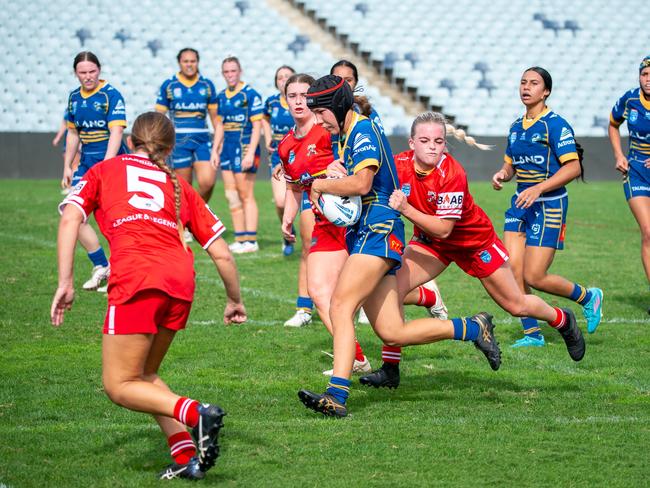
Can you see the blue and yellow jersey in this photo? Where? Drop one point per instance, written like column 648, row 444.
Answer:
column 635, row 108
column 188, row 102
column 538, row 148
column 93, row 113
column 365, row 146
column 281, row 121
column 238, row 109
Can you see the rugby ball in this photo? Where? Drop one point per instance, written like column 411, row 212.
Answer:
column 341, row 211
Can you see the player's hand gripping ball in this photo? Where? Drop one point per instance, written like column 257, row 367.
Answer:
column 341, row 211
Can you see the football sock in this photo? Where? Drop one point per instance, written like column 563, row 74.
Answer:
column 181, row 447
column 305, row 304
column 98, row 257
column 465, row 329
column 186, row 411
column 358, row 354
column 531, row 327
column 560, row 319
column 339, row 388
column 580, row 294
column 240, row 237
column 427, row 298
column 250, row 237
column 391, row 355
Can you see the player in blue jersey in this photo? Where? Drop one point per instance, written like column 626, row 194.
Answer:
column 634, row 107
column 544, row 156
column 365, row 168
column 190, row 98
column 277, row 122
column 96, row 115
column 61, row 135
column 236, row 151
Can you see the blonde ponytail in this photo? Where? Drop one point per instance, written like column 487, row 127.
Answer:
column 459, row 134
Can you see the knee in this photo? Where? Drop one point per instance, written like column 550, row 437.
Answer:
column 113, row 391
column 391, row 339
column 232, row 197
column 534, row 278
column 645, row 236
column 340, row 309
column 516, row 308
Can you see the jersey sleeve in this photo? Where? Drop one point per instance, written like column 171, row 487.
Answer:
column 507, row 157
column 162, row 101
column 562, row 141
column 451, row 194
column 220, row 107
column 256, row 110
column 203, row 223
column 267, row 107
column 116, row 109
column 212, row 96
column 365, row 150
column 85, row 194
column 619, row 112
column 69, row 115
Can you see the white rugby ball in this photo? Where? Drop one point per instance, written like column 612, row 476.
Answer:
column 341, row 211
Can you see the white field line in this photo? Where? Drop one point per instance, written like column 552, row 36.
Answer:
column 248, row 322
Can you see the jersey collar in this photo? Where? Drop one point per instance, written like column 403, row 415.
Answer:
column 87, row 94
column 423, row 174
column 188, row 82
column 231, row 93
column 527, row 124
column 644, row 101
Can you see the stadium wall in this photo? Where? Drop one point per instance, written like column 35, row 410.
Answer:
column 31, row 155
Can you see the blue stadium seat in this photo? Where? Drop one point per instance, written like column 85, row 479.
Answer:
column 155, row 45
column 572, row 25
column 487, row 85
column 449, row 84
column 83, row 35
column 390, row 59
column 553, row 25
column 482, row 67
column 123, row 35
column 242, row 6
column 362, row 8
column 413, row 58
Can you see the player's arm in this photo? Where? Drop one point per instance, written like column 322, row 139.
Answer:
column 506, row 173
column 235, row 312
column 359, row 183
column 569, row 171
column 614, row 133
column 71, row 148
column 292, row 200
column 114, row 140
column 217, row 142
column 249, row 158
column 432, row 225
column 59, row 134
column 268, row 134
column 71, row 219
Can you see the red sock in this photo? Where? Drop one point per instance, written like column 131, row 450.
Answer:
column 560, row 319
column 390, row 354
column 427, row 298
column 186, row 411
column 181, row 447
column 358, row 355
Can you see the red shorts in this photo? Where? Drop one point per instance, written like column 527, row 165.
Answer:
column 327, row 237
column 145, row 311
column 479, row 263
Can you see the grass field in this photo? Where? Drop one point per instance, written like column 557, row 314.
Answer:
column 541, row 420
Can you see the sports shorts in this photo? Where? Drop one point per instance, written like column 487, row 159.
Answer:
column 544, row 222
column 232, row 153
column 327, row 237
column 383, row 239
column 190, row 148
column 145, row 312
column 637, row 181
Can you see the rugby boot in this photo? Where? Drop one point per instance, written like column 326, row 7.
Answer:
column 385, row 377
column 486, row 342
column 325, row 403
column 575, row 342
column 206, row 434
column 190, row 471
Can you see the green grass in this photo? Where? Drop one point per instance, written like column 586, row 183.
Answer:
column 541, row 420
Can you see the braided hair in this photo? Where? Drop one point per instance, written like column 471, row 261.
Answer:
column 460, row 134
column 154, row 134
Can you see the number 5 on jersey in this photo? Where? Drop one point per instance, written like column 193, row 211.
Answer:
column 135, row 182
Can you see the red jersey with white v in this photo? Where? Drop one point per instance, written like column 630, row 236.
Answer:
column 306, row 158
column 133, row 201
column 444, row 193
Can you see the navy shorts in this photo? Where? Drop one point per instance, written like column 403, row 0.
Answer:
column 232, row 153
column 190, row 148
column 637, row 180
column 544, row 222
column 383, row 239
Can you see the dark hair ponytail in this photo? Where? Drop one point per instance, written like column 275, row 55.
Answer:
column 581, row 158
column 546, row 77
column 85, row 56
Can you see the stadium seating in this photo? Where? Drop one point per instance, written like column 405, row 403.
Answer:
column 137, row 43
column 470, row 54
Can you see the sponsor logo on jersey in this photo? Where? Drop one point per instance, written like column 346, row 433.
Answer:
column 431, row 196
column 536, row 228
column 292, row 157
column 522, row 137
column 566, row 133
column 83, row 104
column 275, row 112
column 362, row 140
column 311, row 150
column 178, row 92
column 93, row 124
column 99, row 106
column 78, row 187
column 119, row 109
column 532, row 159
column 450, row 200
column 189, row 105
column 566, row 143
column 512, row 220
column 306, row 177
column 236, row 118
column 74, row 107
column 536, row 137
column 395, row 244
column 513, row 137
column 257, row 102
column 485, row 256
column 634, row 115
column 202, row 92
column 406, row 189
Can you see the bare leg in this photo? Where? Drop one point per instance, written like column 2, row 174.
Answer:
column 323, row 270
column 640, row 207
column 234, row 202
column 418, row 267
column 536, row 264
column 88, row 238
column 306, row 229
column 205, row 177
column 245, row 183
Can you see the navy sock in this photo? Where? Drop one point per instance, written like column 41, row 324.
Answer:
column 339, row 388
column 465, row 329
column 250, row 237
column 304, row 303
column 580, row 294
column 98, row 257
column 531, row 327
column 240, row 237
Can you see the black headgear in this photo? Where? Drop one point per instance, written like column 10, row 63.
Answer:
column 333, row 93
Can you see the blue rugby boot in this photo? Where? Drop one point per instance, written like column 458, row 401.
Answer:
column 593, row 309
column 529, row 341
column 206, row 434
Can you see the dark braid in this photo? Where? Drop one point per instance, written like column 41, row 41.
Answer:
column 154, row 133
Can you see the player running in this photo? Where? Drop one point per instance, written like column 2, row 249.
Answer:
column 634, row 107
column 450, row 227
column 142, row 209
column 96, row 115
column 190, row 98
column 305, row 153
column 236, row 150
column 375, row 243
column 543, row 154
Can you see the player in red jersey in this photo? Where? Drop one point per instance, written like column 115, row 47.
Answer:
column 142, row 208
column 450, row 227
column 305, row 153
